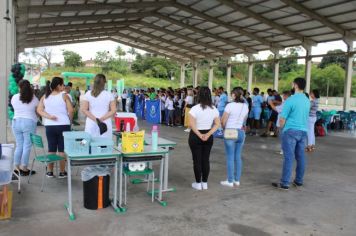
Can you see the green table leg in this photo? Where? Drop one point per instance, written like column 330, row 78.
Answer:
column 71, row 215
column 140, row 181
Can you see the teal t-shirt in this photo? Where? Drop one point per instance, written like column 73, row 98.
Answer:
column 296, row 112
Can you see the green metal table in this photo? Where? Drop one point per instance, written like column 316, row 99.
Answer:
column 148, row 155
column 91, row 160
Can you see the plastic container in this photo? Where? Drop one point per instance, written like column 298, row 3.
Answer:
column 99, row 145
column 154, row 137
column 76, row 142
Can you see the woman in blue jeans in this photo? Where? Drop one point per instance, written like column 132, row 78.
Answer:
column 234, row 117
column 23, row 124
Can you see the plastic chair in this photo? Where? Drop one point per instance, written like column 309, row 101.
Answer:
column 7, row 166
column 45, row 158
column 147, row 171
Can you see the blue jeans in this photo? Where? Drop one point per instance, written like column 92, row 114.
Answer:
column 233, row 149
column 22, row 128
column 293, row 145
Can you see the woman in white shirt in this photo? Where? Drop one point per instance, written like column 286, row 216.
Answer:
column 98, row 104
column 56, row 110
column 234, row 117
column 203, row 121
column 124, row 99
column 23, row 124
column 170, row 107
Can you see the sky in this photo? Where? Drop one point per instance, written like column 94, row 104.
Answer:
column 88, row 50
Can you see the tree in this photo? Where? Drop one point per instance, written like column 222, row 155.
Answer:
column 132, row 51
column 102, row 58
column 291, row 63
column 333, row 59
column 44, row 53
column 120, row 52
column 72, row 59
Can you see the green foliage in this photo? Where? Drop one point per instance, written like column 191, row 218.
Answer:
column 161, row 67
column 333, row 59
column 333, row 75
column 72, row 59
column 120, row 52
column 159, row 71
column 102, row 58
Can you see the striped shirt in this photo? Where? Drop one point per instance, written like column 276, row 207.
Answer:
column 314, row 105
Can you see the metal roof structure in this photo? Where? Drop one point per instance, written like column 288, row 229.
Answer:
column 186, row 30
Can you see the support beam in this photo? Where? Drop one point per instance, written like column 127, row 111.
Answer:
column 182, row 75
column 195, row 74
column 203, row 32
column 38, row 9
column 250, row 74
column 325, row 21
column 238, row 7
column 158, row 52
column 211, row 75
column 228, row 77
column 55, row 20
column 56, row 43
column 276, row 69
column 5, row 64
column 234, row 28
column 308, row 64
column 348, row 76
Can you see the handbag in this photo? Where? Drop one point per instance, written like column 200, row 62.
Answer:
column 231, row 134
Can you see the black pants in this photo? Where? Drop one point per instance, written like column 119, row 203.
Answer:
column 124, row 105
column 201, row 154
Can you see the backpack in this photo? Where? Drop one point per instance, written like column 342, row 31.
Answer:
column 319, row 131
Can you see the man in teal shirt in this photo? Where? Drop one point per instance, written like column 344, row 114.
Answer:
column 294, row 120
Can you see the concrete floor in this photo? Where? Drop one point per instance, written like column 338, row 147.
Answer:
column 325, row 206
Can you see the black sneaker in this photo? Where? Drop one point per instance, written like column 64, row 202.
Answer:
column 27, row 173
column 295, row 184
column 62, row 175
column 50, row 174
column 264, row 135
column 279, row 186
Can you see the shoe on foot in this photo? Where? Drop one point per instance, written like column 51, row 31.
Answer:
column 197, row 186
column 62, row 175
column 187, row 130
column 280, row 186
column 296, row 184
column 227, row 183
column 49, row 174
column 281, row 152
column 264, row 135
column 27, row 173
column 236, row 183
column 204, row 185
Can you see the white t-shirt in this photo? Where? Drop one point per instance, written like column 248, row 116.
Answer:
column 56, row 106
column 24, row 110
column 204, row 118
column 279, row 110
column 99, row 106
column 124, row 96
column 237, row 115
column 189, row 100
column 169, row 104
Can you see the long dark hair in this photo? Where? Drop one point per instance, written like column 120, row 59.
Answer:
column 50, row 86
column 26, row 91
column 99, row 85
column 204, row 97
column 316, row 93
column 238, row 95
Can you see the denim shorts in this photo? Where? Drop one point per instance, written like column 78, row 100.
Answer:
column 55, row 138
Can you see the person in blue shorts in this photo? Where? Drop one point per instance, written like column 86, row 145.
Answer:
column 256, row 110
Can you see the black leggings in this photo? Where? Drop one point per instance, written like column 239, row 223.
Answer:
column 201, row 153
column 124, row 105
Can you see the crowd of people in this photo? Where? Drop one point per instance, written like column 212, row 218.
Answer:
column 290, row 115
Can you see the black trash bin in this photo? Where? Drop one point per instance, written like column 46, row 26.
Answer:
column 96, row 192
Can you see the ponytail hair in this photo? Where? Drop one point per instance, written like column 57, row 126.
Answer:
column 238, row 95
column 26, row 91
column 50, row 86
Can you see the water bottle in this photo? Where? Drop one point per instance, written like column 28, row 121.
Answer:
column 154, row 137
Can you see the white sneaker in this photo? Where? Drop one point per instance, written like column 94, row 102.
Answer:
column 204, row 186
column 281, row 152
column 197, row 186
column 237, row 183
column 227, row 183
column 187, row 130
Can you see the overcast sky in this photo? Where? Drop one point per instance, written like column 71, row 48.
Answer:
column 88, row 50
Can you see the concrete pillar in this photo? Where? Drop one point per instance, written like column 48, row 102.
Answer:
column 250, row 74
column 308, row 63
column 211, row 75
column 5, row 63
column 276, row 69
column 182, row 74
column 348, row 76
column 228, row 77
column 195, row 74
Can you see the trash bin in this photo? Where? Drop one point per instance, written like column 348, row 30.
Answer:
column 96, row 187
